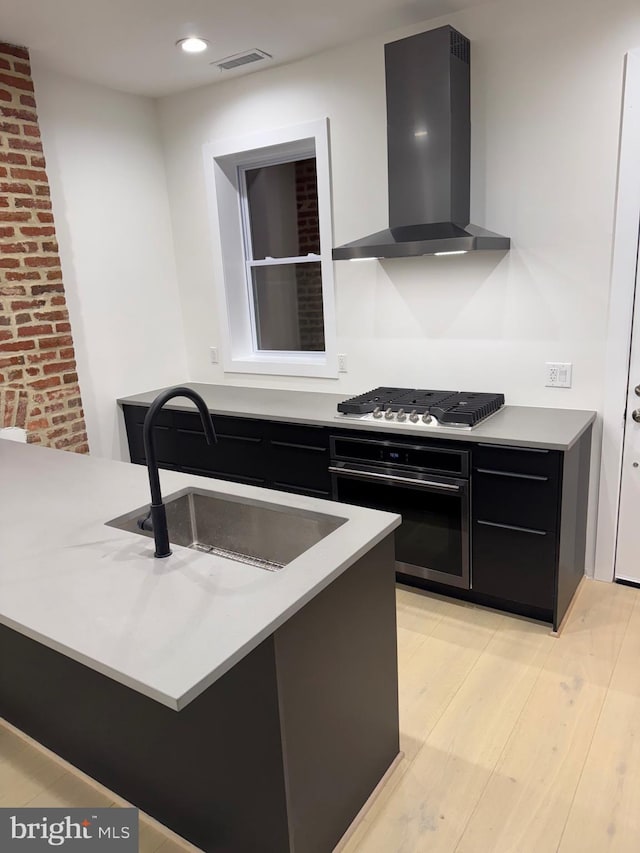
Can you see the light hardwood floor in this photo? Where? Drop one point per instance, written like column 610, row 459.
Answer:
column 514, row 741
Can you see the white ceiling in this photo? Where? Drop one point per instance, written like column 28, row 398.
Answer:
column 130, row 44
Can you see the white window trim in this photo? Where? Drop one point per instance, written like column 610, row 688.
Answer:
column 223, row 162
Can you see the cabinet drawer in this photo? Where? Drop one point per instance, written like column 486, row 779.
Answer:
column 297, row 435
column 225, row 427
column 525, row 500
column 227, row 456
column 299, row 459
column 162, row 432
column 239, row 450
column 137, row 415
column 516, row 565
column 517, row 460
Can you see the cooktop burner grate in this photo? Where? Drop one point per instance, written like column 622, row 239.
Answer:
column 421, row 401
column 467, row 408
column 448, row 407
column 367, row 402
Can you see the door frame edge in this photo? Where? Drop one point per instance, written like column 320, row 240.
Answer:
column 620, row 320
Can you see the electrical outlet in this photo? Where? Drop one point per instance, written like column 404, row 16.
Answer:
column 213, row 355
column 342, row 362
column 558, row 374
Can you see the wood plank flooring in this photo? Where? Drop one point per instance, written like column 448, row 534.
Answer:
column 514, row 741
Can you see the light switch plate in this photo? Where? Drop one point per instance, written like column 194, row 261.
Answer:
column 558, row 374
column 213, row 355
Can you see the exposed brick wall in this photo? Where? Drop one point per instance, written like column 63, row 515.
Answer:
column 39, row 388
column 309, row 276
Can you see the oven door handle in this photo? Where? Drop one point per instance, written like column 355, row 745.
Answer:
column 391, row 478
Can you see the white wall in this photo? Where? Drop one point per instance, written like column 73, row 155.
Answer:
column 111, row 210
column 546, row 92
column 546, row 96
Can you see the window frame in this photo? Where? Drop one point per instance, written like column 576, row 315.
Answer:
column 225, row 162
column 249, row 259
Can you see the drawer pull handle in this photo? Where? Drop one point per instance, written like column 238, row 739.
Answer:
column 512, row 447
column 295, row 446
column 156, row 427
column 514, row 527
column 414, row 481
column 510, row 474
column 247, row 438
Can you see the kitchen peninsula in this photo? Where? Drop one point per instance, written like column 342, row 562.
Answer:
column 247, row 710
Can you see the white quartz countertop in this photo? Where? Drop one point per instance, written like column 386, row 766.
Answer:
column 165, row 627
column 524, row 426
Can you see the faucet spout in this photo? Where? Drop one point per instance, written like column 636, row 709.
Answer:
column 157, row 507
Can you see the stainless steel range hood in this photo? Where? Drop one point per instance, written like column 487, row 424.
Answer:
column 428, row 153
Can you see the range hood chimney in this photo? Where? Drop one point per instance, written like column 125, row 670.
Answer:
column 428, row 153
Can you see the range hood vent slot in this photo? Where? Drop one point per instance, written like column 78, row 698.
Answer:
column 460, row 46
column 428, row 152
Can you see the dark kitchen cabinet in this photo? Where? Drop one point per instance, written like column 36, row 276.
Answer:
column 237, row 455
column 514, row 563
column 181, row 445
column 529, row 511
column 289, row 457
column 298, row 458
column 515, row 513
column 163, row 432
column 518, row 500
column 528, row 506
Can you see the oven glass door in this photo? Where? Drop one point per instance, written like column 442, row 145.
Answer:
column 433, row 539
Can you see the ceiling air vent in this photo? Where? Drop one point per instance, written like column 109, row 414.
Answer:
column 239, row 59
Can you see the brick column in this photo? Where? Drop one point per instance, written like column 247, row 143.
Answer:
column 39, row 388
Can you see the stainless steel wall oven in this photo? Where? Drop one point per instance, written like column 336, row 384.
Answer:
column 425, row 483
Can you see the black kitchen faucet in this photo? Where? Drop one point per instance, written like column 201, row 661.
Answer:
column 157, row 509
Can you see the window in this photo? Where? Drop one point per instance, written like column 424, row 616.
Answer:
column 270, row 205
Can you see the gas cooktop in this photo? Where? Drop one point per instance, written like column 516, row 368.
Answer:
column 389, row 406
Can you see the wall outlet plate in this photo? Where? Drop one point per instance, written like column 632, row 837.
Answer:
column 342, row 362
column 213, row 355
column 558, row 374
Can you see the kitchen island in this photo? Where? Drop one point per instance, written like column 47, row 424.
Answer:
column 247, row 710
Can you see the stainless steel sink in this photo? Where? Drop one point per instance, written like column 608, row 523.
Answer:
column 252, row 532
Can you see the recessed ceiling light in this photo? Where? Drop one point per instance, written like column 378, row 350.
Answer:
column 193, row 45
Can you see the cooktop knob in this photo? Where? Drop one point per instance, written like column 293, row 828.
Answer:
column 427, row 418
column 413, row 417
column 389, row 414
column 401, row 415
column 377, row 412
